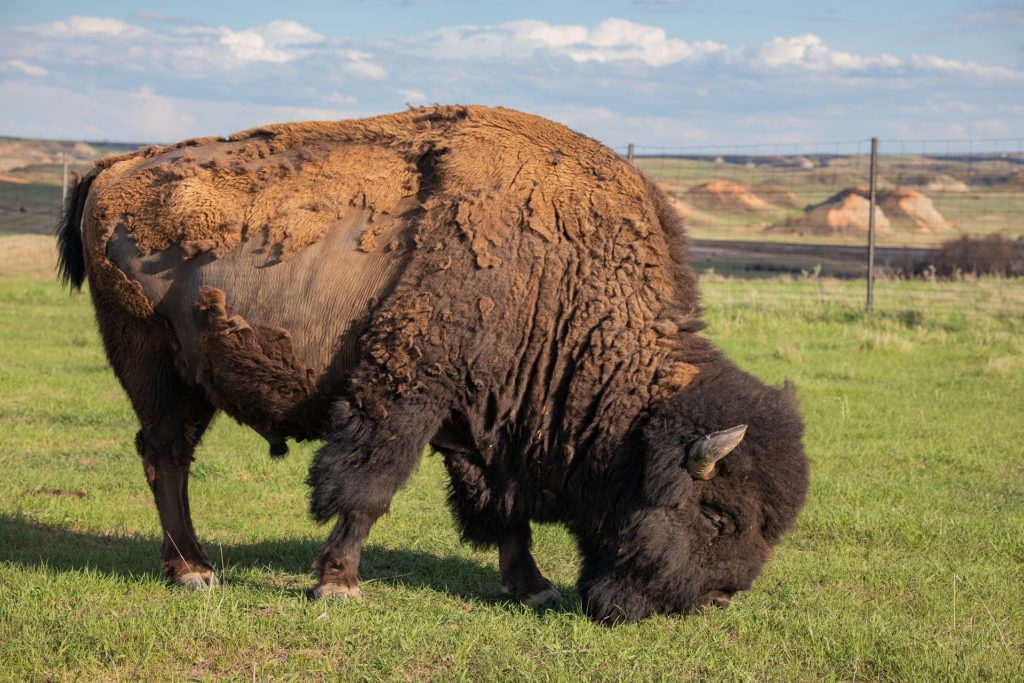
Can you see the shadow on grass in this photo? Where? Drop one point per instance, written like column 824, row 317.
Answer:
column 32, row 545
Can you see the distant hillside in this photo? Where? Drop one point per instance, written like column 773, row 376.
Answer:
column 724, row 195
column 33, row 159
column 30, row 177
column 847, row 212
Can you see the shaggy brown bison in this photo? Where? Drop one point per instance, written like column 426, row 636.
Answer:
column 480, row 280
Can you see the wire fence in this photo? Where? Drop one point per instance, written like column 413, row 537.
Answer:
column 929, row 191
column 751, row 208
column 898, row 299
column 31, row 195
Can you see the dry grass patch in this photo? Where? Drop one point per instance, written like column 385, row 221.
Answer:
column 27, row 256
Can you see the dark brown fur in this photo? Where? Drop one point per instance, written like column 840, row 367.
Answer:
column 264, row 384
column 528, row 308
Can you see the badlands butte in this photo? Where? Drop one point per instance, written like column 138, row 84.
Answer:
column 844, row 213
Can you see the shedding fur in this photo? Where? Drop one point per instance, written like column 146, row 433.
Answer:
column 524, row 303
column 209, row 197
column 253, row 372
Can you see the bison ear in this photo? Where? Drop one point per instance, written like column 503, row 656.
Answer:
column 704, row 453
column 663, row 481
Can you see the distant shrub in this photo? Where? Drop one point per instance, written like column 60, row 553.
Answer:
column 910, row 317
column 988, row 255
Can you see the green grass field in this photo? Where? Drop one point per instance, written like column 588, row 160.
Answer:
column 907, row 564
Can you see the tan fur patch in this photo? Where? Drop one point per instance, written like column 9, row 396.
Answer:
column 678, row 376
column 108, row 283
column 208, row 198
column 368, row 240
column 289, row 181
column 486, row 305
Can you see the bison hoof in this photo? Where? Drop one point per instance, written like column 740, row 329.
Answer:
column 336, row 590
column 545, row 598
column 540, row 596
column 717, row 599
column 199, row 581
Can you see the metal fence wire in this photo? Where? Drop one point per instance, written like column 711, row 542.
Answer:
column 928, row 190
column 787, row 200
column 31, row 187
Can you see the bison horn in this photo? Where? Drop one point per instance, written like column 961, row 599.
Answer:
column 704, row 453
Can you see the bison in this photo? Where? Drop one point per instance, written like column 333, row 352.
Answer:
column 480, row 280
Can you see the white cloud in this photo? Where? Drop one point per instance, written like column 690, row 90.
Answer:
column 612, row 40
column 24, row 67
column 51, row 111
column 39, row 110
column 995, row 17
column 810, row 52
column 548, row 35
column 621, row 41
column 361, row 65
column 413, row 96
column 617, row 80
column 338, row 98
column 194, row 53
column 200, row 50
column 91, row 26
column 250, row 46
column 616, row 40
column 992, row 127
column 159, row 118
column 939, row 107
column 277, row 42
column 615, row 127
column 932, row 63
column 290, row 33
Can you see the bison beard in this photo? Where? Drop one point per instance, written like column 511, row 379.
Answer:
column 480, row 280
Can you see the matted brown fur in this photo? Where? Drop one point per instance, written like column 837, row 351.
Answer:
column 271, row 389
column 499, row 173
column 209, row 197
column 515, row 294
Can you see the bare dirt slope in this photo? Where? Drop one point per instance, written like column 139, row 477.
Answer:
column 726, row 195
column 846, row 212
column 910, row 209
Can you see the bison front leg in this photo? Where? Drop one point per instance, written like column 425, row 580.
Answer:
column 356, row 474
column 485, row 517
column 520, row 576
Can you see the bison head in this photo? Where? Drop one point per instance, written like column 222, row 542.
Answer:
column 724, row 475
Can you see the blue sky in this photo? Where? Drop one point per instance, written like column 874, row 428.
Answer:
column 656, row 72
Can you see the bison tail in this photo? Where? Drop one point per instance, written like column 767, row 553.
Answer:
column 70, row 251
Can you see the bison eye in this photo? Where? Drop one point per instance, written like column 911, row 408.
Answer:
column 719, row 520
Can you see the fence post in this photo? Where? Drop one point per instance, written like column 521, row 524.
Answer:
column 629, row 153
column 64, row 177
column 872, row 180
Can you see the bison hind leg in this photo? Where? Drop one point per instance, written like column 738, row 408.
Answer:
column 166, row 444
